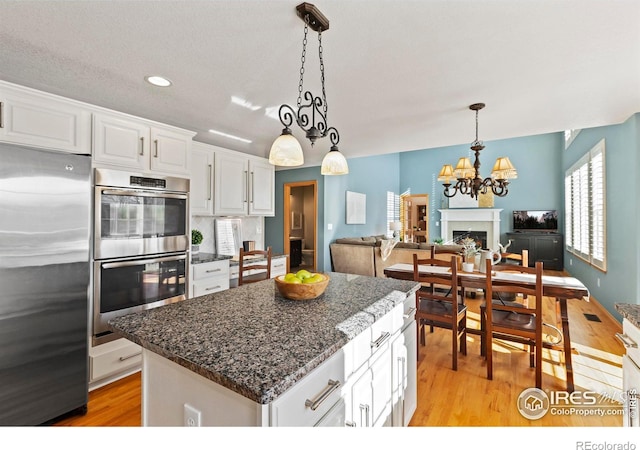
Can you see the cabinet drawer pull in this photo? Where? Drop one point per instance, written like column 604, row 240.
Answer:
column 213, row 288
column 213, row 270
column 332, row 385
column 133, row 355
column 141, row 146
column 349, row 423
column 626, row 341
column 383, row 337
column 411, row 312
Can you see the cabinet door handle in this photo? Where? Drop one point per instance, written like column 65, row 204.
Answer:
column 133, row 355
column 332, row 385
column 627, row 341
column 155, row 142
column 1, row 115
column 349, row 423
column 378, row 342
column 209, row 186
column 246, row 180
column 213, row 288
column 213, row 270
column 141, row 146
column 252, row 187
column 364, row 408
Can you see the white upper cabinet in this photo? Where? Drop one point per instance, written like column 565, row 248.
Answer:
column 37, row 119
column 243, row 185
column 201, row 195
column 123, row 141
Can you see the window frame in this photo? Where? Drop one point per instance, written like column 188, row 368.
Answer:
column 585, row 208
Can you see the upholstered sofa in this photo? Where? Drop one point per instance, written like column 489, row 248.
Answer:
column 364, row 255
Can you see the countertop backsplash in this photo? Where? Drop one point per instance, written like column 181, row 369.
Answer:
column 252, row 230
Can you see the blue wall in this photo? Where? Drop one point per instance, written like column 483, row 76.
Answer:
column 539, row 185
column 373, row 176
column 619, row 284
column 541, row 162
column 274, row 226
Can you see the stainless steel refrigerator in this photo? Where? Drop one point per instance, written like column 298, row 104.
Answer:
column 45, row 213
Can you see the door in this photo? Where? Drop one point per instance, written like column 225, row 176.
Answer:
column 262, row 178
column 300, row 224
column 169, row 151
column 120, row 142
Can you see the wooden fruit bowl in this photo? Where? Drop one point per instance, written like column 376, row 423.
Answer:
column 302, row 291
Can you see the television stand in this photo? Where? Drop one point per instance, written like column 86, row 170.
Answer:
column 544, row 246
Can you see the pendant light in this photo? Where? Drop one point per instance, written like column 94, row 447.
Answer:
column 310, row 116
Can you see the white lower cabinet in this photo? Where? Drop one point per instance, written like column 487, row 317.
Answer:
column 113, row 360
column 208, row 278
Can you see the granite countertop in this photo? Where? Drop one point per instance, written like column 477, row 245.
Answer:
column 630, row 312
column 200, row 258
column 257, row 343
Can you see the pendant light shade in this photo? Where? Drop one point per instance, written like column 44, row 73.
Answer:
column 503, row 169
column 286, row 150
column 334, row 163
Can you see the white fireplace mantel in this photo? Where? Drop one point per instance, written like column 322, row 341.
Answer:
column 471, row 219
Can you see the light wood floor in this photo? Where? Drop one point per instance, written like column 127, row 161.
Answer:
column 465, row 397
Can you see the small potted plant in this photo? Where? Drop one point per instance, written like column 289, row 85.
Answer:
column 196, row 240
column 469, row 252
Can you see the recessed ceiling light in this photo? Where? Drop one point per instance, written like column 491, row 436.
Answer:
column 230, row 136
column 157, row 80
column 244, row 103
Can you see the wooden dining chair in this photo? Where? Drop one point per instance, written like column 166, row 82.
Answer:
column 258, row 260
column 442, row 308
column 513, row 321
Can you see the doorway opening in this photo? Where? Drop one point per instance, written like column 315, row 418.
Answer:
column 300, row 225
column 414, row 215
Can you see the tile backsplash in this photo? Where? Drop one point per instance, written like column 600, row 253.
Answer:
column 252, row 230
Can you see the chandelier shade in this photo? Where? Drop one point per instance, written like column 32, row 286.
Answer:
column 334, row 163
column 311, row 112
column 465, row 178
column 286, row 150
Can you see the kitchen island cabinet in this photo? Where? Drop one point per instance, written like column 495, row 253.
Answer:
column 249, row 357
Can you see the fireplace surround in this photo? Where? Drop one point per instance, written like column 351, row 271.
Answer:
column 471, row 219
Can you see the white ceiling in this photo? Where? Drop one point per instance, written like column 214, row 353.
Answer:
column 400, row 75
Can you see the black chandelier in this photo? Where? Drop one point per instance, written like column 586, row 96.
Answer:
column 468, row 180
column 311, row 116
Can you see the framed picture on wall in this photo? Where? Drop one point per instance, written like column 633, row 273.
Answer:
column 296, row 220
column 356, row 208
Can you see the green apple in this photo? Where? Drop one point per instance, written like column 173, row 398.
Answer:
column 288, row 277
column 294, row 280
column 302, row 274
column 315, row 278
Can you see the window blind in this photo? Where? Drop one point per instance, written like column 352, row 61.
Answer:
column 585, row 225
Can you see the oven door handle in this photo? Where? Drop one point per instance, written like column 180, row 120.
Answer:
column 137, row 262
column 138, row 193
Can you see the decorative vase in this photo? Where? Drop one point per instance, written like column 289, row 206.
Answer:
column 195, row 249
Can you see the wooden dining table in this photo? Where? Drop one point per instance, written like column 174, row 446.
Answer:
column 561, row 288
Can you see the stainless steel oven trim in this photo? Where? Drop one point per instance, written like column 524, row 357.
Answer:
column 101, row 332
column 115, row 248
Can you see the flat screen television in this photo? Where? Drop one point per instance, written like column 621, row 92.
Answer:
column 530, row 220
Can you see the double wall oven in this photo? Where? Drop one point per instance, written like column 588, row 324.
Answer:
column 141, row 240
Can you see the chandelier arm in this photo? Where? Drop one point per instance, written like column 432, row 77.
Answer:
column 286, row 115
column 334, row 136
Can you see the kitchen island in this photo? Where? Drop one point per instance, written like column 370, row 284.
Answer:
column 244, row 356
